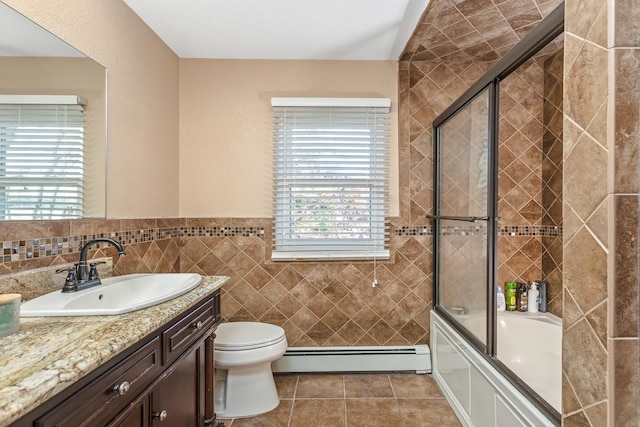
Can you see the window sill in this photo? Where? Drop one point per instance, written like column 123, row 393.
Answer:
column 278, row 256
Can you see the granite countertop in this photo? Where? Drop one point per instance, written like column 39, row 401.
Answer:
column 49, row 354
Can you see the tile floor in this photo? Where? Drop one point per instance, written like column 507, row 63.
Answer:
column 336, row 400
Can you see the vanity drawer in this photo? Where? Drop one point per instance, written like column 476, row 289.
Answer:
column 177, row 338
column 96, row 403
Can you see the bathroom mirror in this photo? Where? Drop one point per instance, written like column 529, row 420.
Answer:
column 36, row 62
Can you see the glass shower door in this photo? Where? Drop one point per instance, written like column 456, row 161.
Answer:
column 461, row 216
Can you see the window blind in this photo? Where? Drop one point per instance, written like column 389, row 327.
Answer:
column 330, row 178
column 41, row 161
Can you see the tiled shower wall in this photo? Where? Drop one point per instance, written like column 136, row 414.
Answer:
column 552, row 178
column 463, row 192
column 530, row 175
column 528, row 243
column 601, row 123
column 520, row 174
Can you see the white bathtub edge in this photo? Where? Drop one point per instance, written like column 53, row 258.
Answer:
column 518, row 404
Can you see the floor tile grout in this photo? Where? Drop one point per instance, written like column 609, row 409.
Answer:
column 413, row 391
column 293, row 403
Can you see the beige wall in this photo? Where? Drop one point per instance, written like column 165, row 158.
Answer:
column 142, row 93
column 225, row 125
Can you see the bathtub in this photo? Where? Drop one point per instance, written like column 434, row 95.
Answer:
column 479, row 394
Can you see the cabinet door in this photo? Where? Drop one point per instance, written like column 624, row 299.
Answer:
column 209, row 381
column 135, row 416
column 177, row 401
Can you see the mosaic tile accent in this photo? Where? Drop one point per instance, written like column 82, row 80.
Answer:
column 217, row 231
column 504, row 230
column 414, row 230
column 531, row 230
column 19, row 250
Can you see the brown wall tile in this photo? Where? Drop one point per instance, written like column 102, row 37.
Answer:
column 626, row 284
column 28, row 230
column 626, row 385
column 626, row 120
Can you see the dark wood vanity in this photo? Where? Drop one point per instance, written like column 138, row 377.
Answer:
column 166, row 379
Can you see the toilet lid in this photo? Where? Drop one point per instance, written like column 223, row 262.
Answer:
column 246, row 335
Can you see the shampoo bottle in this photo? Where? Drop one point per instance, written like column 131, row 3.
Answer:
column 500, row 300
column 532, row 297
column 543, row 285
column 522, row 297
column 511, row 295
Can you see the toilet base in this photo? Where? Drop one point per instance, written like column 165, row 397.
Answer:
column 245, row 391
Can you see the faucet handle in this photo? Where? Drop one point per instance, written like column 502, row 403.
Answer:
column 93, row 272
column 65, row 270
column 70, row 283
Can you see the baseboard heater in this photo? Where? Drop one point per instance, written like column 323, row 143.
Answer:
column 355, row 359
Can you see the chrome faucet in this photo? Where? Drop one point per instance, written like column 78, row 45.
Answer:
column 82, row 277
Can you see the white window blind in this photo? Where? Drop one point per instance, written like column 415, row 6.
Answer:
column 331, row 161
column 41, row 160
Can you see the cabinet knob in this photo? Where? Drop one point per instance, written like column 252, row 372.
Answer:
column 161, row 416
column 121, row 389
column 197, row 325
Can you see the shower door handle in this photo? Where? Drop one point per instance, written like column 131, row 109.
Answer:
column 459, row 218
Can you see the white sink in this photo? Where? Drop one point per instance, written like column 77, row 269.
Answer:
column 116, row 295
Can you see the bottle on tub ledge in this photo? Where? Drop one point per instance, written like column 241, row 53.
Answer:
column 522, row 297
column 500, row 302
column 532, row 298
column 542, row 297
column 511, row 295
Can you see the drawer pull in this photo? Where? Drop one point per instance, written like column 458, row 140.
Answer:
column 121, row 389
column 161, row 416
column 197, row 325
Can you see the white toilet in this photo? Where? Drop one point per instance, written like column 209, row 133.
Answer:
column 243, row 355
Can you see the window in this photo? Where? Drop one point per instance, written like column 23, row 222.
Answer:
column 330, row 178
column 41, row 157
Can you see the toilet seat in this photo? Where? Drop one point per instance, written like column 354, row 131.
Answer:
column 237, row 336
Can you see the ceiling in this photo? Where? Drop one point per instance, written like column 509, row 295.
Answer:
column 283, row 29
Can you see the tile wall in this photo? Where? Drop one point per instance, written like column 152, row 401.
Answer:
column 441, row 62
column 463, row 189
column 552, row 138
column 151, row 245
column 316, row 303
column 601, row 115
column 530, row 174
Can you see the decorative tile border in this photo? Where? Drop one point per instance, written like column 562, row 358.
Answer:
column 414, row 230
column 20, row 250
column 471, row 230
column 530, row 230
column 222, row 231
